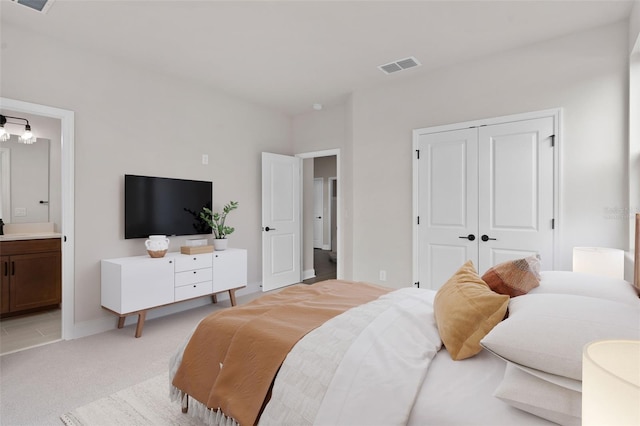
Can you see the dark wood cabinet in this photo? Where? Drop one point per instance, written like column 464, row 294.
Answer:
column 31, row 275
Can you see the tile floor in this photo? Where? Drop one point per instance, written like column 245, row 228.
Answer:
column 25, row 331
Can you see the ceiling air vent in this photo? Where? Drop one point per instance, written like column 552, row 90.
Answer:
column 41, row 6
column 399, row 65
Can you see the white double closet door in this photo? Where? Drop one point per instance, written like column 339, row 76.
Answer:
column 484, row 194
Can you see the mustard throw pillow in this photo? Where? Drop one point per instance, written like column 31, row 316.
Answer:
column 466, row 309
column 514, row 277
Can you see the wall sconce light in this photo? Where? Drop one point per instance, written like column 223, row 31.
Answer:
column 27, row 137
column 611, row 383
column 599, row 261
column 4, row 135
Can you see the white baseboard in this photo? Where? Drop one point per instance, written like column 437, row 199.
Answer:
column 110, row 321
column 309, row 273
column 326, row 247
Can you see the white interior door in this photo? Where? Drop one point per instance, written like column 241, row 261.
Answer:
column 318, row 215
column 448, row 204
column 516, row 192
column 281, row 227
column 484, row 193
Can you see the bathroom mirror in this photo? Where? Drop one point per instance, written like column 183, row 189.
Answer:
column 24, row 184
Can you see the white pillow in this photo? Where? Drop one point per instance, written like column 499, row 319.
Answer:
column 581, row 284
column 547, row 332
column 540, row 397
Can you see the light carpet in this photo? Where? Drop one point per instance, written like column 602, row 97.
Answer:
column 145, row 403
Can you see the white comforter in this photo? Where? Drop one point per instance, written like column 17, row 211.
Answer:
column 365, row 366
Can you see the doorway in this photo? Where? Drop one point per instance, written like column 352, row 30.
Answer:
column 287, row 218
column 65, row 196
column 320, row 241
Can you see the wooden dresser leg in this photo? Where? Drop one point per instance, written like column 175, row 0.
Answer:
column 121, row 321
column 141, row 317
column 214, row 298
column 232, row 296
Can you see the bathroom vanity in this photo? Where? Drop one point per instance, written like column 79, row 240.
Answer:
column 31, row 268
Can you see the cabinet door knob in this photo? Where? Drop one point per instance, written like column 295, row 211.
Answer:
column 194, row 272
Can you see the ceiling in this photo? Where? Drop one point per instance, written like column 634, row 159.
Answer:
column 291, row 54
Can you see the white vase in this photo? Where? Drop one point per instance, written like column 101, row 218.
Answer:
column 220, row 244
column 157, row 245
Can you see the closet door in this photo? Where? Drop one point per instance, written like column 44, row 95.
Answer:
column 484, row 194
column 515, row 176
column 448, row 204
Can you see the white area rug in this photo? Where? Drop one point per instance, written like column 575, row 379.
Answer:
column 145, row 403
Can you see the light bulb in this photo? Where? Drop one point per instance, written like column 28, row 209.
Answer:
column 27, row 137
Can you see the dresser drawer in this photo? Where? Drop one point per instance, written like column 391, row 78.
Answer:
column 194, row 261
column 192, row 277
column 193, row 290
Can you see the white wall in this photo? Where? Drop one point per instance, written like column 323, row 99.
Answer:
column 634, row 127
column 330, row 128
column 585, row 74
column 140, row 121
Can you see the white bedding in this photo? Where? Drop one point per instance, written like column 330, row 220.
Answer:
column 356, row 363
column 355, row 371
column 460, row 393
column 382, row 363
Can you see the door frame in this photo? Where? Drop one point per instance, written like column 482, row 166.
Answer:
column 67, row 225
column 555, row 113
column 5, row 189
column 339, row 242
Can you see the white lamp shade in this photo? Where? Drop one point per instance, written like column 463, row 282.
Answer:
column 611, row 383
column 599, row 261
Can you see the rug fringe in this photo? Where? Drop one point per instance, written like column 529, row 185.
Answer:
column 209, row 416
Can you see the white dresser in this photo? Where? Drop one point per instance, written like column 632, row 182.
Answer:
column 133, row 285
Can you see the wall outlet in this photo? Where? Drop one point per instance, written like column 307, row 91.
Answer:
column 20, row 212
column 205, row 159
column 383, row 275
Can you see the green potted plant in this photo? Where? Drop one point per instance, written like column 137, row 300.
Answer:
column 217, row 223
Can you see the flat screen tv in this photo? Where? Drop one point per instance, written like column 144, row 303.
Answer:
column 164, row 206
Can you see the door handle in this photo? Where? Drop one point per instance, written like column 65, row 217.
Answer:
column 269, row 229
column 319, row 217
column 469, row 237
column 44, row 202
column 486, row 238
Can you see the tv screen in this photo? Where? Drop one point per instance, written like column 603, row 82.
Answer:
column 164, row 206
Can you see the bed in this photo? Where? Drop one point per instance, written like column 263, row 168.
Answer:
column 503, row 348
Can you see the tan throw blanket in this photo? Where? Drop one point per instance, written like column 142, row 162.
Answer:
column 234, row 354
